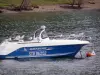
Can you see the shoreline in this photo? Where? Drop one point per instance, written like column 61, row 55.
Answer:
column 57, row 7
column 48, row 10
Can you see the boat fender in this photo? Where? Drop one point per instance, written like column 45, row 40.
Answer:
column 89, row 54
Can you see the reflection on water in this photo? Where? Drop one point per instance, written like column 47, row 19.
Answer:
column 87, row 22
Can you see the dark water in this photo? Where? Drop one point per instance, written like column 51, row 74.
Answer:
column 87, row 22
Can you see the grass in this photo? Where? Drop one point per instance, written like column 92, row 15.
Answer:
column 49, row 2
column 4, row 3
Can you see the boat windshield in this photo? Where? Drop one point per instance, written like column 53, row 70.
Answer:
column 38, row 35
column 44, row 35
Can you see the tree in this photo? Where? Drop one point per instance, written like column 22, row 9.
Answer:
column 25, row 4
column 76, row 2
column 73, row 2
column 80, row 2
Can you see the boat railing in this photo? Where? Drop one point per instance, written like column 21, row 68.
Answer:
column 80, row 36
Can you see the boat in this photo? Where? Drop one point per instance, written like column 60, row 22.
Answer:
column 39, row 45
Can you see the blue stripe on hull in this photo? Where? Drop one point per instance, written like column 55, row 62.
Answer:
column 45, row 51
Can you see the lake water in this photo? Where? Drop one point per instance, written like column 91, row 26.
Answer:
column 87, row 22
